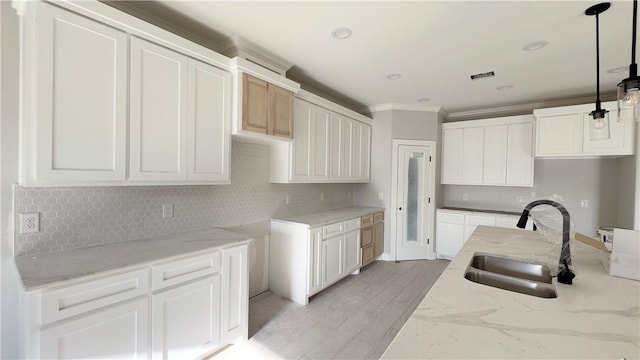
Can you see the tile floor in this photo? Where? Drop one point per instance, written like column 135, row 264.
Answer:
column 357, row 318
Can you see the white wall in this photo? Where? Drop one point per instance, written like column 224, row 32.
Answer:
column 9, row 82
column 389, row 125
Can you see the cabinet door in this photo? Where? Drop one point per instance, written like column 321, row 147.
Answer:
column 340, row 150
column 81, row 115
column 452, row 156
column 302, row 156
column 559, row 135
column 235, row 293
column 158, row 121
column 314, row 280
column 209, row 122
column 186, row 320
column 620, row 141
column 366, row 241
column 361, row 151
column 472, row 155
column 332, row 260
column 520, row 155
column 121, row 332
column 280, row 112
column 378, row 239
column 321, row 144
column 351, row 251
column 449, row 239
column 255, row 104
column 495, row 155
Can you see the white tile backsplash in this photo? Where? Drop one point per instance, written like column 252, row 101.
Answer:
column 87, row 216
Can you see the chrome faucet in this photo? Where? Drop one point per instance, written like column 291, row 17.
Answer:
column 565, row 275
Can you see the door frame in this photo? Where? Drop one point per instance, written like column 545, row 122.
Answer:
column 431, row 255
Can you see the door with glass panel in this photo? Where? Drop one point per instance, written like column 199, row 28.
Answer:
column 414, row 202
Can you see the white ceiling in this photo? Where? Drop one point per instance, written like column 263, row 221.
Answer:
column 435, row 45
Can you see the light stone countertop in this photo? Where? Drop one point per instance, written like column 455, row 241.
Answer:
column 38, row 271
column 596, row 317
column 321, row 218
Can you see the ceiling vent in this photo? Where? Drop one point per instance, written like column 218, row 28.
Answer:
column 483, row 75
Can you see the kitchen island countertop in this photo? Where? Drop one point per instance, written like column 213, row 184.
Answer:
column 37, row 271
column 596, row 317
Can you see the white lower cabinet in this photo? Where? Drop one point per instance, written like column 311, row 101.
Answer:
column 186, row 320
column 304, row 261
column 177, row 309
column 120, row 332
column 454, row 227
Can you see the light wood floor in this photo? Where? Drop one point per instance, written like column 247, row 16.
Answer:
column 354, row 319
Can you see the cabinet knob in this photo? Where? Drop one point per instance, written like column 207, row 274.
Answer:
column 400, row 208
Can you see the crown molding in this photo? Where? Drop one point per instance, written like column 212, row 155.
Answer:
column 409, row 107
column 237, row 46
column 522, row 109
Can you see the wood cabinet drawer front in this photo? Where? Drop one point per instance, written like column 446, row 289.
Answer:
column 176, row 272
column 352, row 224
column 332, row 230
column 451, row 218
column 72, row 300
column 479, row 220
column 366, row 220
column 378, row 217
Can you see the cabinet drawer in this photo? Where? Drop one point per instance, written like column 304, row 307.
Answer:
column 61, row 303
column 332, row 230
column 366, row 220
column 352, row 224
column 378, row 217
column 479, row 220
column 450, row 218
column 175, row 272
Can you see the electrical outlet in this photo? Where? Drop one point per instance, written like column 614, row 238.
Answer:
column 465, row 197
column 287, row 199
column 167, row 210
column 29, row 223
column 584, row 203
column 380, row 196
column 321, row 196
column 519, row 199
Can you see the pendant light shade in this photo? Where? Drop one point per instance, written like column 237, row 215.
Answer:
column 629, row 88
column 599, row 126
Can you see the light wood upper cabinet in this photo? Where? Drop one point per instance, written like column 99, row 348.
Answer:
column 564, row 132
column 76, row 131
column 488, row 152
column 266, row 108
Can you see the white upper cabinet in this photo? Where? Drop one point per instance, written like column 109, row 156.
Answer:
column 327, row 147
column 158, row 121
column 488, row 152
column 208, row 123
column 564, row 132
column 103, row 106
column 74, row 123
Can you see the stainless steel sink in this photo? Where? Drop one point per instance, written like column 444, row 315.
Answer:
column 511, row 274
column 511, row 267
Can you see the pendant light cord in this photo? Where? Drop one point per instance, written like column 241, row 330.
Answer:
column 634, row 67
column 598, row 63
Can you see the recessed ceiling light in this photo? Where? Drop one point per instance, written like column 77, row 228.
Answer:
column 423, row 100
column 341, row 33
column 394, row 76
column 618, row 70
column 504, row 87
column 536, row 45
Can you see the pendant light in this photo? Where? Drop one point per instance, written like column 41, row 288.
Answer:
column 629, row 88
column 599, row 127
